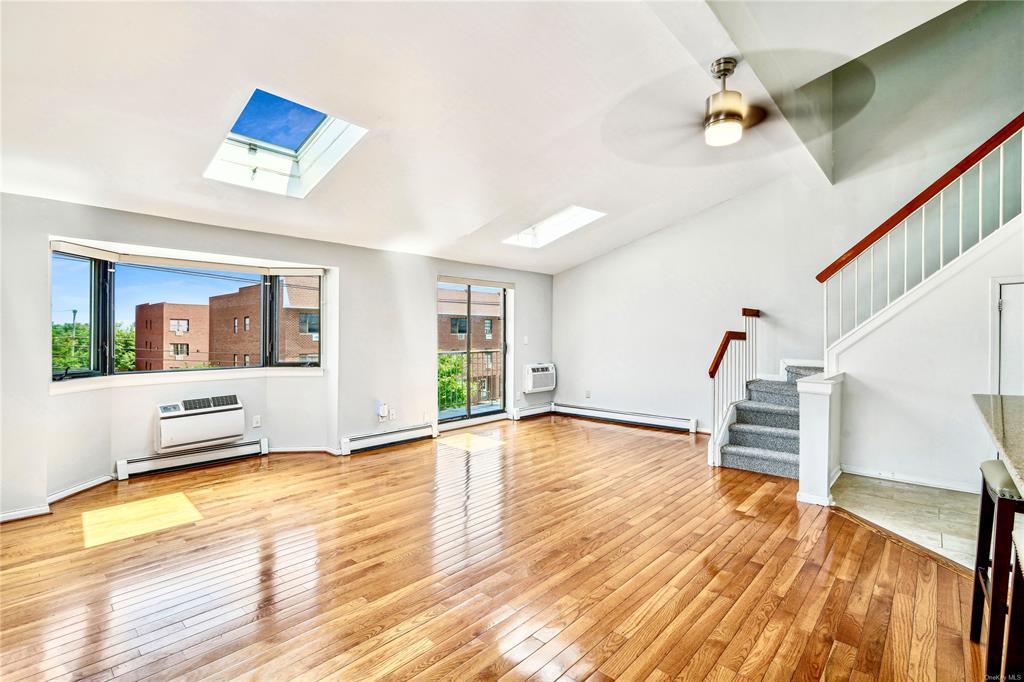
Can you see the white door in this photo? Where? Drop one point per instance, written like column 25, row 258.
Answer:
column 1011, row 338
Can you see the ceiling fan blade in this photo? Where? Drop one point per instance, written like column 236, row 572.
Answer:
column 755, row 114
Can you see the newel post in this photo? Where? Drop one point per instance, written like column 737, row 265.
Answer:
column 820, row 414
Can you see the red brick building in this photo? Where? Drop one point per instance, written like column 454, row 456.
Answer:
column 236, row 329
column 171, row 336
column 229, row 331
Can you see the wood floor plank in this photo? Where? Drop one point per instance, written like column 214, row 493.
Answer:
column 572, row 549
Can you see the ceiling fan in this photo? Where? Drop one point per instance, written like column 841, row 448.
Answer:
column 726, row 114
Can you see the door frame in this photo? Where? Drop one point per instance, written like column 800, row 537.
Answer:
column 995, row 327
column 507, row 291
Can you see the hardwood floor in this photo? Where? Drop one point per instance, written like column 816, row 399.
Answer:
column 572, row 550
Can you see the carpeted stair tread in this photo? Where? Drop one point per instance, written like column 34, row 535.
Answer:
column 770, row 386
column 755, row 406
column 796, row 372
column 771, row 462
column 774, row 431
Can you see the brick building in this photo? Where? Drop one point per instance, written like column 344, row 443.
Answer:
column 171, row 336
column 236, row 329
column 229, row 331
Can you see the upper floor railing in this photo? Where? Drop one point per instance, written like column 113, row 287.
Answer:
column 960, row 209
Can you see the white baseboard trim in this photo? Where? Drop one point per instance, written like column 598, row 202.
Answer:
column 307, row 448
column 67, row 492
column 914, row 480
column 834, row 476
column 530, row 410
column 681, row 423
column 369, row 441
column 473, row 421
column 815, row 499
column 24, row 513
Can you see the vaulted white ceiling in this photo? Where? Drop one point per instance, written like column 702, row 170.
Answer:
column 484, row 117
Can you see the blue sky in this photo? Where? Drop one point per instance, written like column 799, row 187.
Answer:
column 276, row 120
column 136, row 284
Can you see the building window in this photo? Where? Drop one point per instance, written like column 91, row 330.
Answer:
column 309, row 323
column 281, row 315
column 488, row 334
column 296, row 306
column 459, row 325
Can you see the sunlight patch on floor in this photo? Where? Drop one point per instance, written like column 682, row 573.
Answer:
column 131, row 519
column 470, row 442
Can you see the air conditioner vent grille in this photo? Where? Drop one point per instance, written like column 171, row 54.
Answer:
column 197, row 404
column 223, row 400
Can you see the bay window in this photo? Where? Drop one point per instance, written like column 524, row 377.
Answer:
column 117, row 314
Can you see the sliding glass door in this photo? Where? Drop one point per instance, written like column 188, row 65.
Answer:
column 470, row 350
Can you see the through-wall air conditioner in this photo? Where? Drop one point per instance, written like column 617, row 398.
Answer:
column 539, row 378
column 195, row 431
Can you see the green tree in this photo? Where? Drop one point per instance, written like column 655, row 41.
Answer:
column 451, row 381
column 124, row 347
column 71, row 346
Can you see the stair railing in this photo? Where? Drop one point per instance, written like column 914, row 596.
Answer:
column 953, row 214
column 734, row 364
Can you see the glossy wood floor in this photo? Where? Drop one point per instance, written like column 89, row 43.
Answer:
column 572, row 550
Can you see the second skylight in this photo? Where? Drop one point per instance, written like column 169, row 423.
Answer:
column 554, row 227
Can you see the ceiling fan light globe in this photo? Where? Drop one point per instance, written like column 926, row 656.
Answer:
column 723, row 132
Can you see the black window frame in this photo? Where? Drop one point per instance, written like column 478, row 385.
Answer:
column 464, row 325
column 102, row 327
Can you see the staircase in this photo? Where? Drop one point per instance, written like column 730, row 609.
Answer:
column 766, row 434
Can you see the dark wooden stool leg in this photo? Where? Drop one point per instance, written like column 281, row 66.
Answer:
column 1013, row 666
column 999, row 587
column 981, row 562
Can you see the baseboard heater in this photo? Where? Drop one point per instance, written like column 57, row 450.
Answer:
column 193, row 457
column 639, row 418
column 372, row 441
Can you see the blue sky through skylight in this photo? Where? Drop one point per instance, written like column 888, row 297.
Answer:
column 273, row 119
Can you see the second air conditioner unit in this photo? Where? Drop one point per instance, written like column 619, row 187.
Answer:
column 539, row 378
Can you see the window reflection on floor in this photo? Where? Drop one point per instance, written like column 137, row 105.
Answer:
column 132, row 519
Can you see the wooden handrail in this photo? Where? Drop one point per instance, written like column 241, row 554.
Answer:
column 924, row 197
column 750, row 312
column 722, row 347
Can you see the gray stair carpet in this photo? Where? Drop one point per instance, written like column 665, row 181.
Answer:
column 794, row 372
column 766, row 435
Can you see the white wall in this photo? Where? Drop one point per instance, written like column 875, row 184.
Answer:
column 639, row 325
column 384, row 325
column 907, row 410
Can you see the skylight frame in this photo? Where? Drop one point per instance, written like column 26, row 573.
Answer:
column 278, row 169
column 554, row 227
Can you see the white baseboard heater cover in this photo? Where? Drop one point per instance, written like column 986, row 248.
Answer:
column 369, row 441
column 680, row 423
column 184, row 458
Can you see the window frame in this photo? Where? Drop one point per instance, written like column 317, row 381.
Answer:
column 102, row 347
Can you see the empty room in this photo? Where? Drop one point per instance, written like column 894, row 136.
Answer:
column 483, row 340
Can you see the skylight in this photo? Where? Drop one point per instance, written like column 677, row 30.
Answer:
column 279, row 146
column 273, row 119
column 555, row 227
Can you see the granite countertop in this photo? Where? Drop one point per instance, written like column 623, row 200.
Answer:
column 1004, row 418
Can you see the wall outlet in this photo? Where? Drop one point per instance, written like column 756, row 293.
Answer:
column 526, row 340
column 587, row 393
column 392, row 414
column 257, row 421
